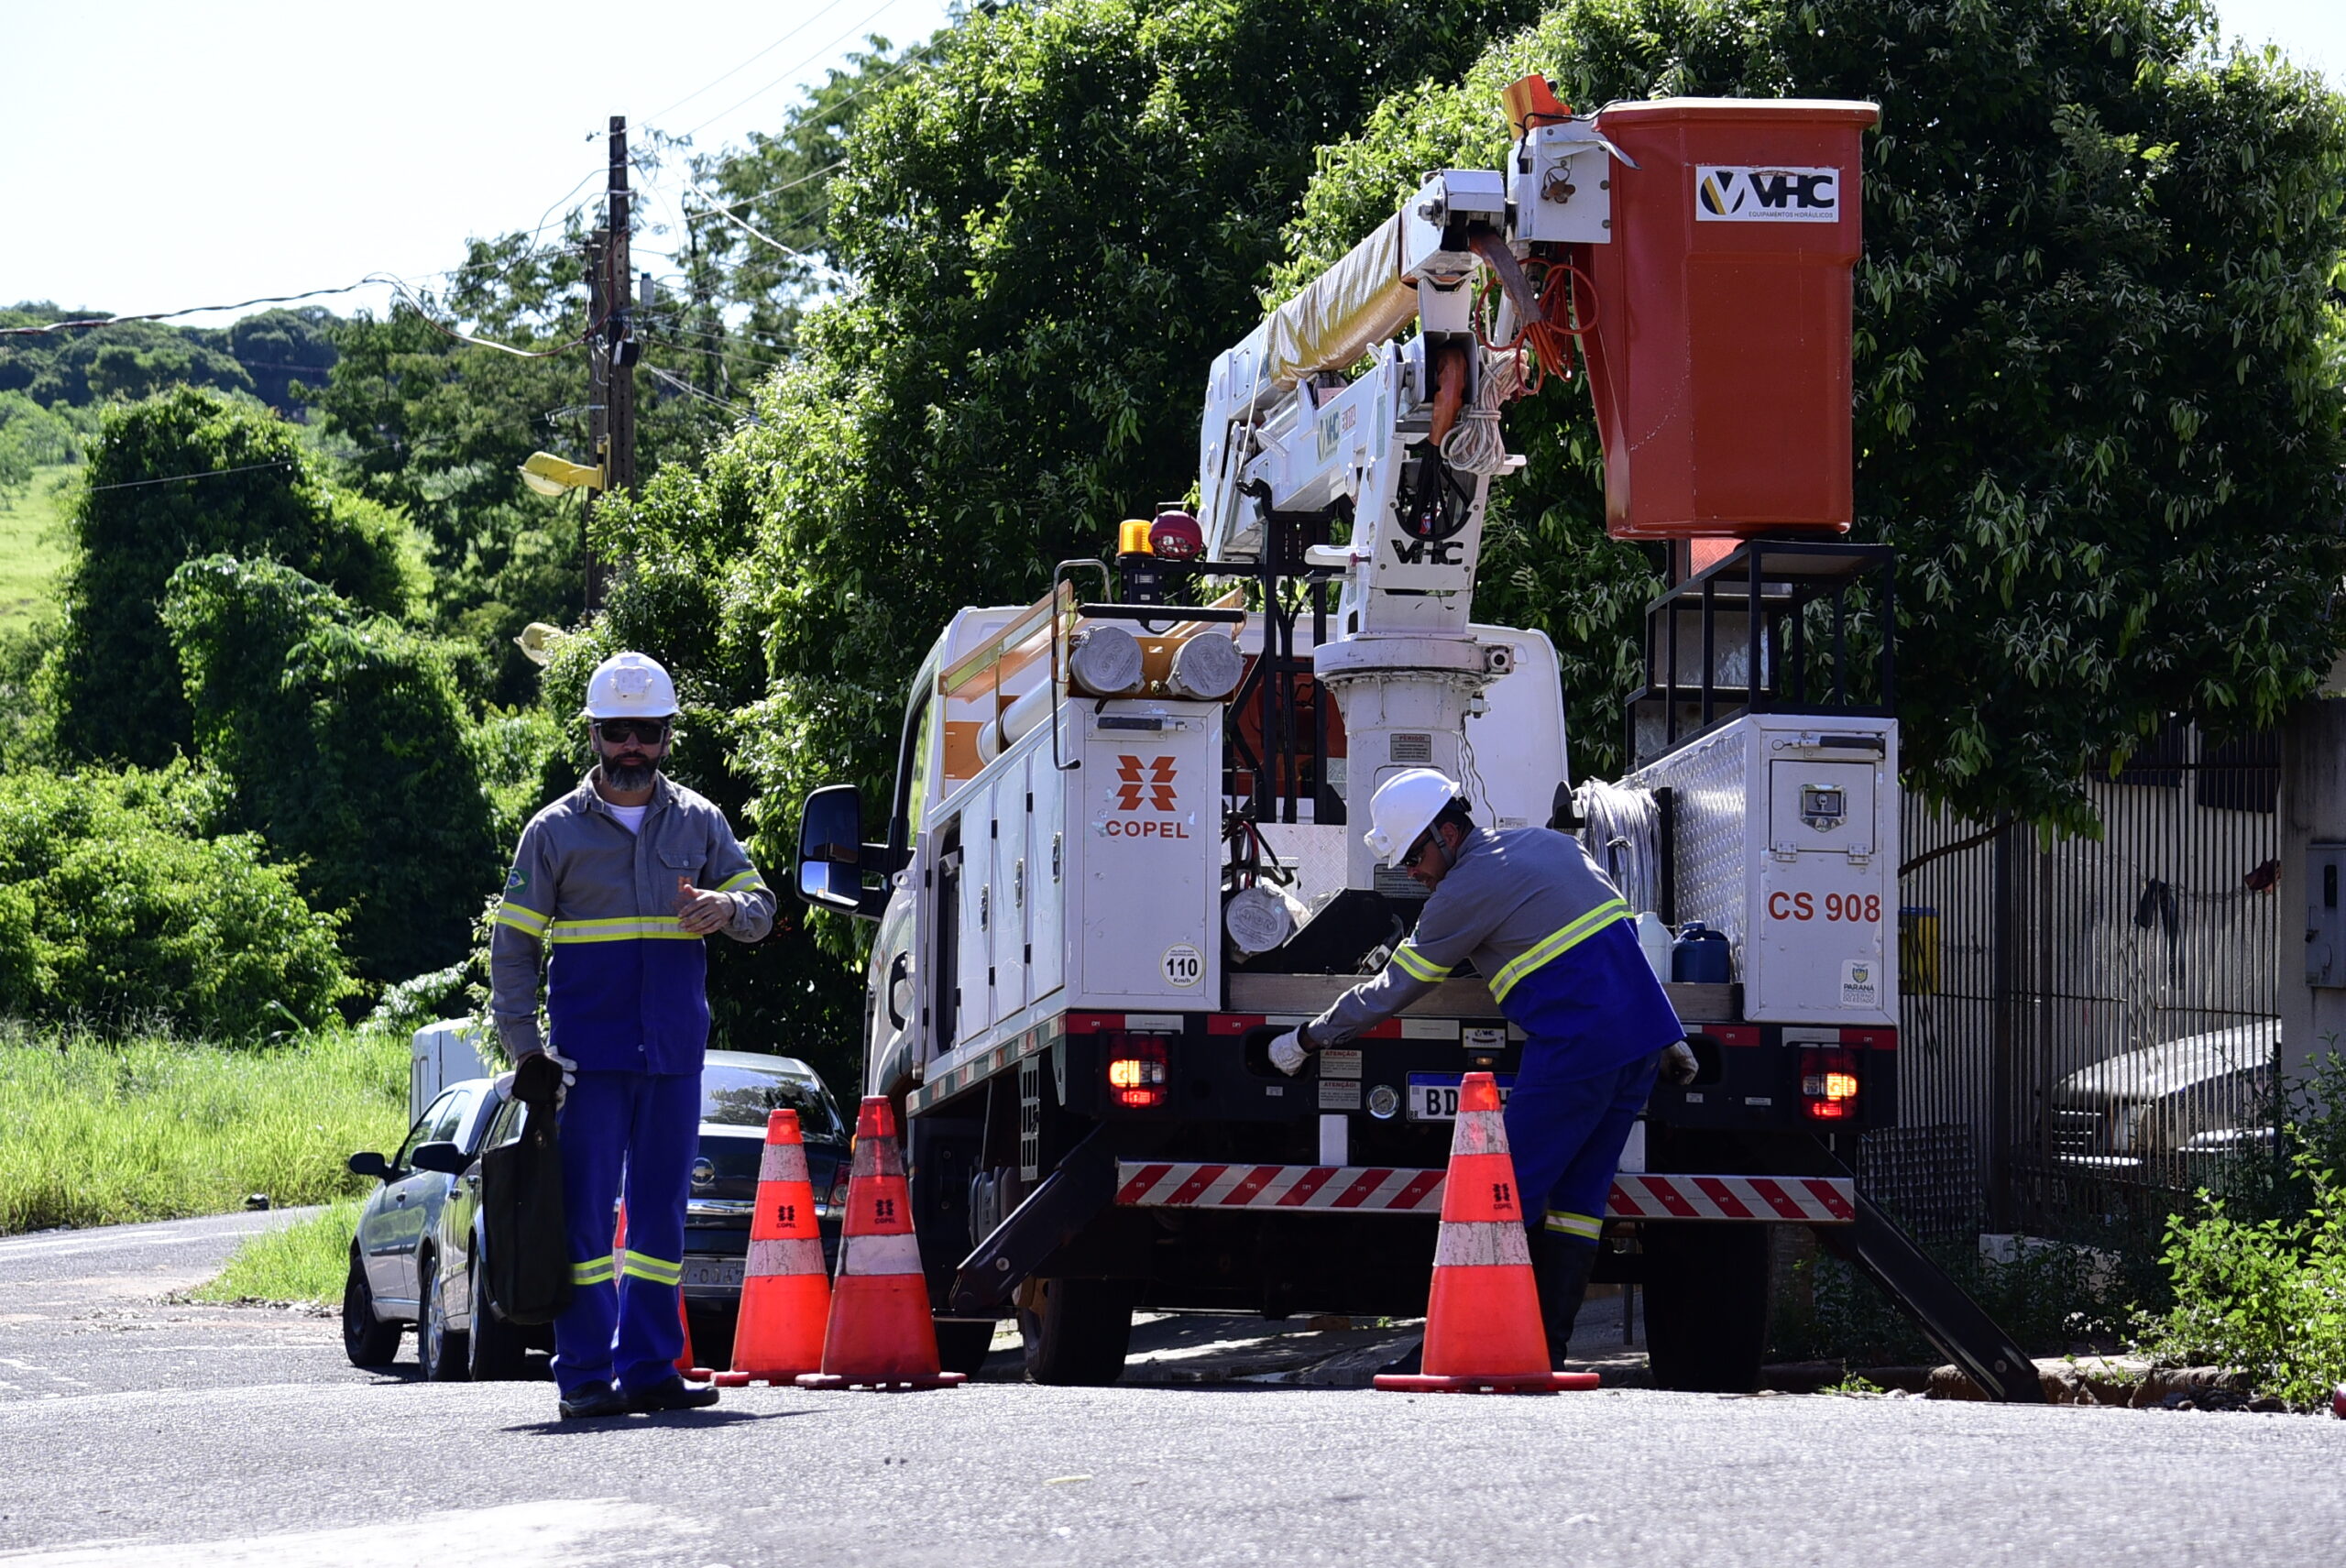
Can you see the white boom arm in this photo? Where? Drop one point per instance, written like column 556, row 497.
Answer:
column 1283, row 432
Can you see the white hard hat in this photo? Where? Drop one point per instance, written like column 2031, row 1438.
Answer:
column 1404, row 806
column 629, row 686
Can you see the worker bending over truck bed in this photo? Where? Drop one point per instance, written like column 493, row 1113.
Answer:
column 1555, row 942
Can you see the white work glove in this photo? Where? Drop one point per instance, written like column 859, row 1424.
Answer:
column 1679, row 1066
column 1288, row 1053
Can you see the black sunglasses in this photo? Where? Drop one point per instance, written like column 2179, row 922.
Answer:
column 618, row 731
column 1418, row 851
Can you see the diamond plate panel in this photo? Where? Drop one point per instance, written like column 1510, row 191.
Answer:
column 1710, row 784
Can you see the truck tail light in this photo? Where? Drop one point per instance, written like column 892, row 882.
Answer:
column 1828, row 1085
column 1137, row 1075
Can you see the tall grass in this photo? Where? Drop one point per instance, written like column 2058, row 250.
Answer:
column 100, row 1131
column 305, row 1261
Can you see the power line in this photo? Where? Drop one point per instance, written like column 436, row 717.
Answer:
column 792, row 74
column 190, row 310
column 745, row 65
column 201, row 474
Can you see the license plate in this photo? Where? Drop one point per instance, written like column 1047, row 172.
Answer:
column 712, row 1273
column 1433, row 1096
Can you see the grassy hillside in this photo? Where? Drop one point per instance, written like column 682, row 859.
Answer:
column 32, row 546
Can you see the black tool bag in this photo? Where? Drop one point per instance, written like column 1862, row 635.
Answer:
column 521, row 1217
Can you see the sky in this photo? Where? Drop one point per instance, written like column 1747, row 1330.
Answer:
column 157, row 155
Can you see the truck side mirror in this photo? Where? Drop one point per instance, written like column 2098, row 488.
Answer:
column 833, row 857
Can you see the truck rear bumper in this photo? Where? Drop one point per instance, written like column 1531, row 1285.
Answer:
column 1381, row 1190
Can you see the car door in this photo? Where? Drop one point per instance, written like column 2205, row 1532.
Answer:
column 428, row 1191
column 496, row 1120
column 433, row 1186
column 387, row 1233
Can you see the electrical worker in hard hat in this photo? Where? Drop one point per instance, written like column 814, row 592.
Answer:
column 623, row 879
column 1554, row 941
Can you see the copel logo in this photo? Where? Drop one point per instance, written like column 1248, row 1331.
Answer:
column 1742, row 195
column 1154, row 777
column 1149, row 782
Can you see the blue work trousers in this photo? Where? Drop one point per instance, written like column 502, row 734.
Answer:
column 643, row 1129
column 1566, row 1133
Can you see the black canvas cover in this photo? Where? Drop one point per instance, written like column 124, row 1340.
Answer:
column 522, row 1217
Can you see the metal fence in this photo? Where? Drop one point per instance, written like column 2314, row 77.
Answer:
column 2090, row 1027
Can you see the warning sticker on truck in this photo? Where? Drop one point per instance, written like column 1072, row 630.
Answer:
column 1732, row 193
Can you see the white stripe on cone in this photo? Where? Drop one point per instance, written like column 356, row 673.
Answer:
column 794, row 1254
column 783, row 1162
column 1481, row 1243
column 880, row 1255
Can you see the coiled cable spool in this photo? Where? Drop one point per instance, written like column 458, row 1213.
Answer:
column 1623, row 831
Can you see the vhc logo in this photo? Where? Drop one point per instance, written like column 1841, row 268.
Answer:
column 1739, row 194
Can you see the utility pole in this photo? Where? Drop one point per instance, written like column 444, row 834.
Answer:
column 599, row 427
column 612, row 352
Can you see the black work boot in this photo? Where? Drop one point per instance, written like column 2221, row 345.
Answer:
column 1559, row 1266
column 673, row 1395
column 593, row 1402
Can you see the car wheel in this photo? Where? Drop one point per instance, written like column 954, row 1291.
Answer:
column 1078, row 1332
column 962, row 1343
column 494, row 1351
column 366, row 1338
column 439, row 1349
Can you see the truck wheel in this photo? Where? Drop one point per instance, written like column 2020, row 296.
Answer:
column 1078, row 1333
column 1708, row 1295
column 494, row 1352
column 962, row 1343
column 366, row 1338
column 439, row 1349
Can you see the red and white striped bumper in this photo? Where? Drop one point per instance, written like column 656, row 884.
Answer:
column 1390, row 1189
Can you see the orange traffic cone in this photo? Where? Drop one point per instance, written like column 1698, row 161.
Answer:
column 880, row 1335
column 1483, row 1332
column 786, row 1293
column 619, row 1267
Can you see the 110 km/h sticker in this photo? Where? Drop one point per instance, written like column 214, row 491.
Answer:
column 1183, row 965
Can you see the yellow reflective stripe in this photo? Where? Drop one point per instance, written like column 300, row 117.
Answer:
column 1554, row 946
column 590, row 1273
column 656, row 1270
column 650, row 928
column 747, row 879
column 1588, row 1227
column 1417, row 966
column 529, row 922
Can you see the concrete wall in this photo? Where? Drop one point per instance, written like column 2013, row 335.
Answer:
column 2313, row 810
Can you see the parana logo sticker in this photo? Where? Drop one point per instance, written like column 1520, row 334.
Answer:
column 1737, row 193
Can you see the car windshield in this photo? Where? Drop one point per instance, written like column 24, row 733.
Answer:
column 741, row 1097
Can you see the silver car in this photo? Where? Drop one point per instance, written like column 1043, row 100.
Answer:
column 2170, row 1113
column 391, row 1253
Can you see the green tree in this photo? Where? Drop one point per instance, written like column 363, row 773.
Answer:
column 2097, row 361
column 347, row 748
column 123, row 902
column 1056, row 219
column 139, row 357
column 190, row 473
column 286, row 353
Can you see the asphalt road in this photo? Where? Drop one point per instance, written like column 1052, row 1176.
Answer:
column 139, row 1432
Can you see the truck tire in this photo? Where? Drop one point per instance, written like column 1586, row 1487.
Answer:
column 1707, row 1298
column 495, row 1350
column 962, row 1343
column 366, row 1338
column 1078, row 1333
